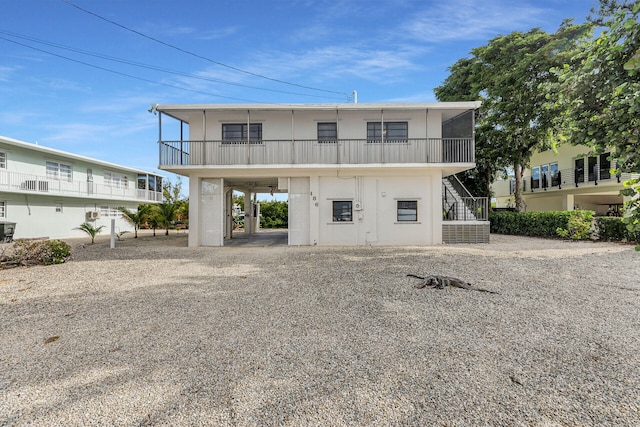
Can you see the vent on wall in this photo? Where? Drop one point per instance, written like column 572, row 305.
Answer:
column 93, row 215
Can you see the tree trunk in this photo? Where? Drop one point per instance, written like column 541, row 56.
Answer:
column 520, row 205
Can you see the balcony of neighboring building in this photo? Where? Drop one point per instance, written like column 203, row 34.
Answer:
column 25, row 183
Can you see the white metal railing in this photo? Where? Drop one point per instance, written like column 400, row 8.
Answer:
column 343, row 151
column 39, row 184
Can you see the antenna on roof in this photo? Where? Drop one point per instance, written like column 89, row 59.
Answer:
column 355, row 96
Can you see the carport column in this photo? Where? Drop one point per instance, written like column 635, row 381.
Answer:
column 314, row 210
column 211, row 212
column 248, row 213
column 194, row 209
column 568, row 204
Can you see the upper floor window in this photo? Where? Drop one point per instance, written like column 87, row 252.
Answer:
column 3, row 209
column 327, row 132
column 113, row 179
column 535, row 177
column 392, row 131
column 149, row 182
column 407, row 210
column 60, row 171
column 605, row 166
column 555, row 174
column 342, row 211
column 236, row 133
column 3, row 160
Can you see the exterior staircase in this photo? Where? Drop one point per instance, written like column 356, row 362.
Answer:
column 465, row 218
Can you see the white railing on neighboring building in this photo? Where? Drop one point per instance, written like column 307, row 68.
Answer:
column 342, row 151
column 37, row 184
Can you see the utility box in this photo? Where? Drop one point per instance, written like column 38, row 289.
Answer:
column 6, row 231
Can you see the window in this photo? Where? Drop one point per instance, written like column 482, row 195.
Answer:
column 535, row 177
column 393, row 131
column 236, row 133
column 555, row 174
column 593, row 168
column 407, row 210
column 544, row 175
column 578, row 170
column 112, row 179
column 3, row 160
column 342, row 211
column 60, row 171
column 605, row 166
column 327, row 133
column 3, row 209
column 110, row 211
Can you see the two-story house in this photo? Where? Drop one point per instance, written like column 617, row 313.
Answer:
column 355, row 174
column 49, row 193
column 567, row 179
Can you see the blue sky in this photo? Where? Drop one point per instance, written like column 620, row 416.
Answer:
column 293, row 51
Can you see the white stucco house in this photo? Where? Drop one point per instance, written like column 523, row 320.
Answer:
column 355, row 174
column 49, row 193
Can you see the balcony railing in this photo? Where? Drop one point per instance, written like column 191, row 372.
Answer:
column 37, row 184
column 343, row 151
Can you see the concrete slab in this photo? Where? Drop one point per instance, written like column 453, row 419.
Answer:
column 263, row 238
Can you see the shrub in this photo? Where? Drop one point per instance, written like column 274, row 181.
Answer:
column 36, row 252
column 578, row 226
column 613, row 229
column 542, row 224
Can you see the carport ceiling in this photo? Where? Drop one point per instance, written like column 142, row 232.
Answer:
column 254, row 185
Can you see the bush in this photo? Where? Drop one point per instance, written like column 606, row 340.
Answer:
column 542, row 224
column 36, row 252
column 613, row 229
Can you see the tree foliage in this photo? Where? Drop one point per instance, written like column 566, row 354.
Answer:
column 136, row 218
column 274, row 214
column 600, row 92
column 508, row 75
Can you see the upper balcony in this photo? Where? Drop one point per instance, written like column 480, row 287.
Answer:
column 317, row 152
column 564, row 179
column 16, row 182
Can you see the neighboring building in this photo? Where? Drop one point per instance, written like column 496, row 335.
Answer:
column 566, row 180
column 49, row 193
column 355, row 174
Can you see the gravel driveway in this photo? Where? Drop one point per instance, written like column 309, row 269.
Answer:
column 156, row 333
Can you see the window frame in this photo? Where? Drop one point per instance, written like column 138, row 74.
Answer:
column 400, row 217
column 554, row 173
column 3, row 209
column 376, row 130
column 337, row 212
column 255, row 133
column 121, row 181
column 535, row 178
column 604, row 172
column 54, row 170
column 3, row 159
column 329, row 135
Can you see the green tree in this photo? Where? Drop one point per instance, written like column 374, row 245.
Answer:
column 508, row 76
column 166, row 213
column 90, row 230
column 600, row 90
column 274, row 214
column 136, row 218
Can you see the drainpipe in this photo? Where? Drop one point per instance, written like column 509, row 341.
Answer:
column 248, row 137
column 160, row 137
column 382, row 132
column 338, row 135
column 293, row 138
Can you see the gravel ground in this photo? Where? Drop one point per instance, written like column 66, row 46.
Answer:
column 156, row 333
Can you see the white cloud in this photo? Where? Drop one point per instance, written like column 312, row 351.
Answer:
column 471, row 20
column 6, row 72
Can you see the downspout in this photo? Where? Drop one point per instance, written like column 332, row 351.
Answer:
column 248, row 137
column 160, row 138
column 338, row 136
column 382, row 132
column 293, row 138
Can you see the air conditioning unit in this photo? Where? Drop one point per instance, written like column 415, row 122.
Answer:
column 93, row 214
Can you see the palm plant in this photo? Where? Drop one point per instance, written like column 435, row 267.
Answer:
column 166, row 212
column 136, row 218
column 90, row 230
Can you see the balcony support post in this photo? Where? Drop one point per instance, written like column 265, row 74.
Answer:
column 248, row 137
column 293, row 138
column 382, row 133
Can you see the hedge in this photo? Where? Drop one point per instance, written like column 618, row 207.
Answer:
column 561, row 224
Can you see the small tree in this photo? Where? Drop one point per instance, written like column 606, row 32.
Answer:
column 90, row 230
column 166, row 213
column 136, row 218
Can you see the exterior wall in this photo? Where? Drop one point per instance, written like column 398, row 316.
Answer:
column 300, row 203
column 597, row 195
column 36, row 216
column 45, row 206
